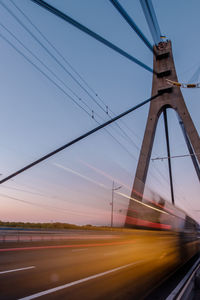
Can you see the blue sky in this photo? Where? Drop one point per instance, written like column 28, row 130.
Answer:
column 36, row 117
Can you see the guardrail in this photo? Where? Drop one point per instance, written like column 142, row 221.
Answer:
column 19, row 236
column 188, row 286
column 53, row 235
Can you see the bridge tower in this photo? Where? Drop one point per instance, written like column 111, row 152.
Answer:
column 169, row 97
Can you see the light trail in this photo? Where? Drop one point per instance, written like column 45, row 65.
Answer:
column 80, row 175
column 104, row 174
column 142, row 203
column 102, row 185
column 65, row 246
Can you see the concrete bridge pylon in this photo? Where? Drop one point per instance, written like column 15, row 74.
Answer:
column 170, row 97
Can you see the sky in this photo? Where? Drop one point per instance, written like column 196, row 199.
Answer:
column 38, row 111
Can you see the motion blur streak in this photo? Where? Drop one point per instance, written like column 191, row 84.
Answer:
column 139, row 222
column 104, row 174
column 142, row 203
column 66, row 246
column 149, row 257
column 80, row 175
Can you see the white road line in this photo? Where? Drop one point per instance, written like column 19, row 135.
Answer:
column 64, row 286
column 77, row 250
column 16, row 270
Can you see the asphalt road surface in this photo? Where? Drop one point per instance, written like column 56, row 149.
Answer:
column 108, row 265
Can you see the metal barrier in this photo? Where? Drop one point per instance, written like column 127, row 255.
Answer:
column 19, row 236
column 185, row 289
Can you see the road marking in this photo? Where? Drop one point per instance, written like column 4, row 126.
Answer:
column 16, row 270
column 77, row 250
column 64, row 286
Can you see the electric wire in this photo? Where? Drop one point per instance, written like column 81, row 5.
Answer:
column 116, row 140
column 64, row 59
column 78, row 139
column 78, row 75
column 42, row 72
column 62, row 90
column 67, row 94
column 24, row 191
column 48, row 207
column 92, row 111
column 122, row 145
column 124, row 133
column 35, row 27
column 53, row 73
column 175, row 156
column 96, row 36
column 50, row 54
column 58, row 52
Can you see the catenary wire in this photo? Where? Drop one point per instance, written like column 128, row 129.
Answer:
column 95, row 94
column 58, row 53
column 49, row 207
column 78, row 139
column 52, row 72
column 72, row 92
column 49, row 78
column 123, row 132
column 50, row 54
column 63, row 91
column 91, row 33
column 116, row 140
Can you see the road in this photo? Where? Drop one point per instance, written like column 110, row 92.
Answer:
column 118, row 265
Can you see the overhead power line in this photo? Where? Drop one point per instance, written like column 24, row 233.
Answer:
column 52, row 81
column 42, row 72
column 93, row 113
column 64, row 59
column 78, row 139
column 96, row 36
column 130, row 21
column 43, row 64
column 117, row 140
column 72, row 69
column 80, row 77
column 58, row 52
column 175, row 156
column 48, row 207
column 50, row 53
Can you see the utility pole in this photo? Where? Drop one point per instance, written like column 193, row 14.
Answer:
column 112, row 201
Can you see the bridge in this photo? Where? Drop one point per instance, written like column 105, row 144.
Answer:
column 100, row 150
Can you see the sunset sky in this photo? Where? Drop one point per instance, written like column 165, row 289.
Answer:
column 38, row 114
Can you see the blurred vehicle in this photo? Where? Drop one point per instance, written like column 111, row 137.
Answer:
column 170, row 235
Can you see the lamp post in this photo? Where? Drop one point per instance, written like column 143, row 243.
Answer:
column 112, row 201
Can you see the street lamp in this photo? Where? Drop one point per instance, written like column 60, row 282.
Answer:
column 112, row 202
